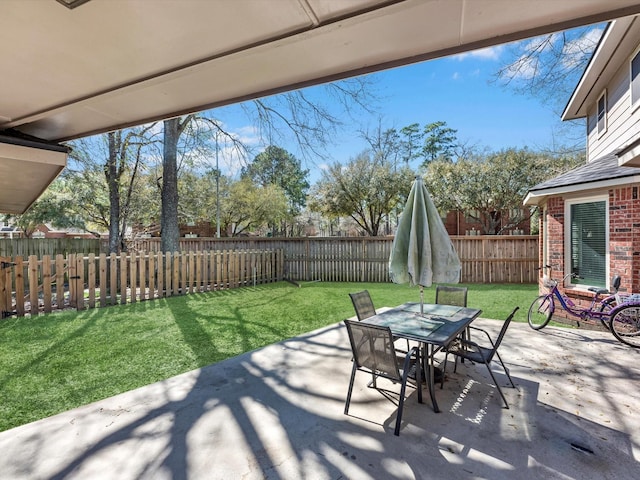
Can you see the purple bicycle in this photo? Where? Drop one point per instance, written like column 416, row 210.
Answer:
column 617, row 312
column 601, row 309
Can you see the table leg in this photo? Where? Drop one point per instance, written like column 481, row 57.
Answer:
column 427, row 363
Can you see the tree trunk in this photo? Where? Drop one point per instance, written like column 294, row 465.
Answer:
column 170, row 236
column 111, row 174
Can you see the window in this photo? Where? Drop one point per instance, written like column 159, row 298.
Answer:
column 587, row 236
column 635, row 80
column 602, row 113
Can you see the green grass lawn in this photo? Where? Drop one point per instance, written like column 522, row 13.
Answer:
column 55, row 362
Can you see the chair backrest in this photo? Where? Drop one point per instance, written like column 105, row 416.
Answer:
column 451, row 295
column 363, row 304
column 373, row 349
column 503, row 330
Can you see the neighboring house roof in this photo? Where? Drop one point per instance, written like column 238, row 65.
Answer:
column 601, row 173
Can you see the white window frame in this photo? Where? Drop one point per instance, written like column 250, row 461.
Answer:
column 603, row 115
column 635, row 103
column 545, row 235
column 567, row 236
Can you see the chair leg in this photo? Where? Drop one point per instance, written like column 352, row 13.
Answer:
column 403, row 391
column 444, row 369
column 419, row 375
column 497, row 386
column 506, row 370
column 348, row 401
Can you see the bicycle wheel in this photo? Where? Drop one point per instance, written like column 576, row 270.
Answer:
column 625, row 325
column 540, row 312
column 606, row 306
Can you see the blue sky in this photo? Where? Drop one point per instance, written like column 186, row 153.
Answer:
column 457, row 90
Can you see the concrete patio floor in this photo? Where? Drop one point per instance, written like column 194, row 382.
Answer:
column 277, row 413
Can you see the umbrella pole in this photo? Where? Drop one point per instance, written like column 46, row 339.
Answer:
column 421, row 300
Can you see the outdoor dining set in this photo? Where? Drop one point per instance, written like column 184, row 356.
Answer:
column 422, row 253
column 400, row 344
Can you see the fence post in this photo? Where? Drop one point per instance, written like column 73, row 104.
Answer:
column 113, row 279
column 176, row 273
column 91, row 279
column 71, row 279
column 306, row 260
column 34, row 307
column 364, row 261
column 124, row 275
column 79, row 283
column 60, row 271
column 46, row 283
column 5, row 286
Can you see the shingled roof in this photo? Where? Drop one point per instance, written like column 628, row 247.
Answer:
column 603, row 169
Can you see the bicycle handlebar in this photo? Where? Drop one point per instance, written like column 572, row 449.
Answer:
column 546, row 266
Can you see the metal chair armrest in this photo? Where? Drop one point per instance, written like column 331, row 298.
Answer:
column 486, row 333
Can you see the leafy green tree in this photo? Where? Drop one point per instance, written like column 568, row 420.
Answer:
column 440, row 141
column 55, row 206
column 411, row 143
column 197, row 195
column 435, row 140
column 248, row 207
column 491, row 188
column 276, row 166
column 367, row 189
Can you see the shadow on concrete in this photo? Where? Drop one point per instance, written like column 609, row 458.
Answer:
column 277, row 413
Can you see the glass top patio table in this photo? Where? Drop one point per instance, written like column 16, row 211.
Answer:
column 436, row 327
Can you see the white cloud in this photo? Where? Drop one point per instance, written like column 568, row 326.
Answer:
column 523, row 68
column 575, row 50
column 541, row 44
column 456, row 76
column 249, row 135
column 535, row 50
column 488, row 53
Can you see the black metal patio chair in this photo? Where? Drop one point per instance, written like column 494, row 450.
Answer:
column 472, row 351
column 363, row 304
column 374, row 353
column 446, row 295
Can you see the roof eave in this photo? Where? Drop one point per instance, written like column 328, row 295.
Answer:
column 535, row 198
column 596, row 72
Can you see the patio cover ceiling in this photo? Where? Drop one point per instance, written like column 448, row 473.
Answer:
column 68, row 73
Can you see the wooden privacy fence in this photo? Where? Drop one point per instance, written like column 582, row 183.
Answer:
column 41, row 285
column 484, row 258
column 51, row 246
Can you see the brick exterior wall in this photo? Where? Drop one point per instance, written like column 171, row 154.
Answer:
column 457, row 223
column 624, row 241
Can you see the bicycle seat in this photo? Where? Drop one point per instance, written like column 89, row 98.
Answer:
column 615, row 283
column 598, row 290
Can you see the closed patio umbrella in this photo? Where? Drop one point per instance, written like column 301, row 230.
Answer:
column 422, row 252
